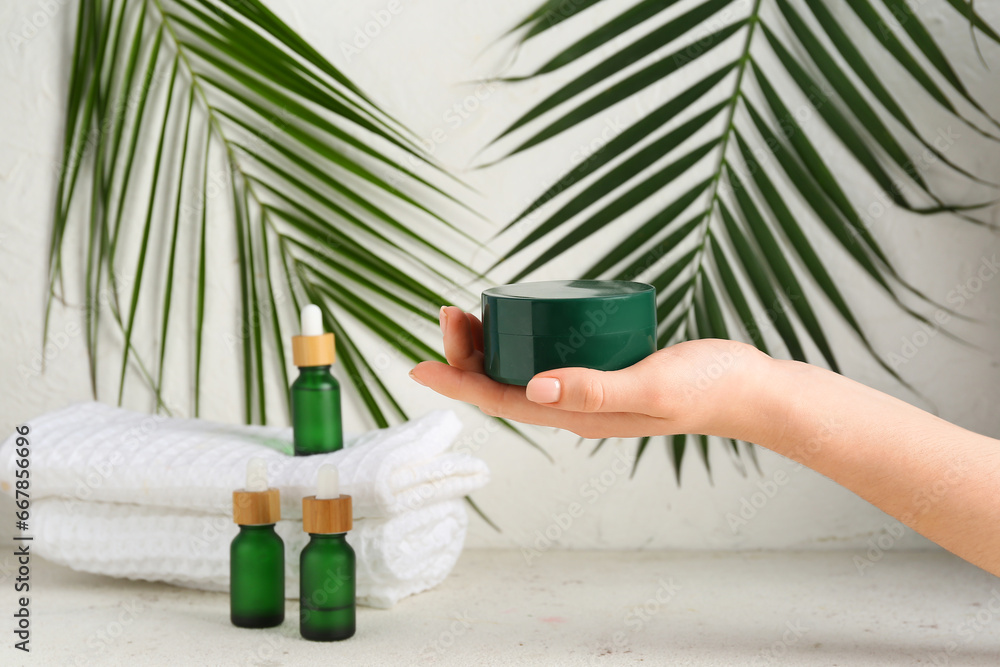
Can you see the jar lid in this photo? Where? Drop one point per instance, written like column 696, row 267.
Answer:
column 558, row 307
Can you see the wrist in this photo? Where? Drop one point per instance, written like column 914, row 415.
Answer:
column 787, row 417
column 756, row 409
column 741, row 400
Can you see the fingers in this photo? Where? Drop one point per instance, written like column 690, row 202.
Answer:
column 572, row 389
column 509, row 402
column 477, row 331
column 586, row 390
column 460, row 339
column 500, row 400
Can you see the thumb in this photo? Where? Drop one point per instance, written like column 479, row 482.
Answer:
column 586, row 390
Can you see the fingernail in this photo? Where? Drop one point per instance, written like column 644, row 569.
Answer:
column 443, row 318
column 415, row 378
column 543, row 390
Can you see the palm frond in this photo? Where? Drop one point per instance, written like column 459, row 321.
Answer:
column 738, row 185
column 244, row 122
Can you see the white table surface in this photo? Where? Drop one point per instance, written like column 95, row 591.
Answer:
column 566, row 608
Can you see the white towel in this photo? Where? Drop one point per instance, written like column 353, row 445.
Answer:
column 396, row 556
column 128, row 494
column 93, row 452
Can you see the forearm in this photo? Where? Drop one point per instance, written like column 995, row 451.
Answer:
column 941, row 480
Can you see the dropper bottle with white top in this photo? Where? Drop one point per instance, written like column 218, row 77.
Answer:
column 257, row 554
column 316, row 422
column 327, row 564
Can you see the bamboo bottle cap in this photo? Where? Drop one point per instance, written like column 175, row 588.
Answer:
column 313, row 347
column 313, row 350
column 327, row 516
column 256, row 508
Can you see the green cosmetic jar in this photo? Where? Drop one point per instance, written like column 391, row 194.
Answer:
column 529, row 328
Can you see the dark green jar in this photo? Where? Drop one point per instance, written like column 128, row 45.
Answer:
column 257, row 577
column 327, row 587
column 316, row 422
column 529, row 328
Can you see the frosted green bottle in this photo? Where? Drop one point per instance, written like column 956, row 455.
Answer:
column 257, row 554
column 316, row 422
column 327, row 564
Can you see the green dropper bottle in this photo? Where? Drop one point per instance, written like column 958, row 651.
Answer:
column 257, row 554
column 316, row 421
column 327, row 565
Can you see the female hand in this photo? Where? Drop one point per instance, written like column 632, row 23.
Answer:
column 703, row 386
column 935, row 477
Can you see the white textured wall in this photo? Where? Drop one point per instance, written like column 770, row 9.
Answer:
column 415, row 66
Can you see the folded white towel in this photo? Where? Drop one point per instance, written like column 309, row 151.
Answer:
column 150, row 497
column 93, row 452
column 396, row 556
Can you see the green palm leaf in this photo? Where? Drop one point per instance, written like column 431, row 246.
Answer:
column 730, row 256
column 250, row 127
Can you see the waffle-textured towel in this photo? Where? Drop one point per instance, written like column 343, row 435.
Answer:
column 101, row 476
column 396, row 556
